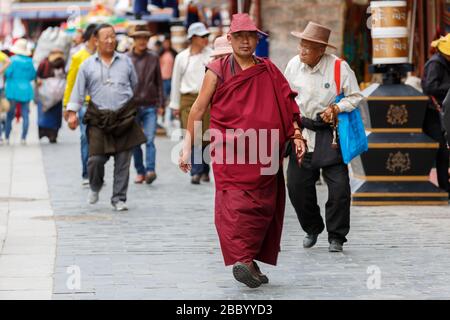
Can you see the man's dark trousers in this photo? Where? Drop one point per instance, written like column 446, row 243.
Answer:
column 96, row 169
column 301, row 183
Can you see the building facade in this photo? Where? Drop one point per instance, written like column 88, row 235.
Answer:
column 280, row 17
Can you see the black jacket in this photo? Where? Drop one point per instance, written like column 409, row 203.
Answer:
column 446, row 120
column 111, row 132
column 436, row 79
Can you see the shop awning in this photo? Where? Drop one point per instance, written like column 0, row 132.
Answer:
column 161, row 17
column 49, row 10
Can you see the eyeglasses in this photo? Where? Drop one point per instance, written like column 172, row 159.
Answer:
column 108, row 39
column 307, row 49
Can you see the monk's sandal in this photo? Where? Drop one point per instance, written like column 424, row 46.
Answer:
column 242, row 273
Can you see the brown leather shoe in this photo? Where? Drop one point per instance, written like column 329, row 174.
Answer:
column 150, row 177
column 140, row 178
column 205, row 178
column 264, row 279
column 246, row 274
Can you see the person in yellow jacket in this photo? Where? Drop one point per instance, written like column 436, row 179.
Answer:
column 78, row 58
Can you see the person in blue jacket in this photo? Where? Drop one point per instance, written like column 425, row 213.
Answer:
column 18, row 90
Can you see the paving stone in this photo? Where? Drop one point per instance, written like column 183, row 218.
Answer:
column 166, row 246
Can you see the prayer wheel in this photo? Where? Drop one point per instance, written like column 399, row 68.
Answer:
column 389, row 14
column 395, row 170
column 390, row 45
column 389, row 32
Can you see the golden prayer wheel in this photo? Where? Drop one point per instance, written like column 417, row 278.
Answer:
column 389, row 14
column 389, row 32
column 390, row 45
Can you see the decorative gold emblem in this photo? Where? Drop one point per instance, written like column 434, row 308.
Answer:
column 397, row 114
column 398, row 162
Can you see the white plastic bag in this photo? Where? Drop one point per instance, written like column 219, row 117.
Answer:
column 51, row 38
column 51, row 91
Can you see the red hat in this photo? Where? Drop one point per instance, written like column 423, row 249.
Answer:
column 243, row 22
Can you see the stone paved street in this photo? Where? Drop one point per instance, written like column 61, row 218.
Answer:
column 166, row 246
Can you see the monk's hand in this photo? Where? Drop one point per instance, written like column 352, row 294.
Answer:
column 66, row 115
column 300, row 149
column 183, row 161
column 72, row 120
column 330, row 113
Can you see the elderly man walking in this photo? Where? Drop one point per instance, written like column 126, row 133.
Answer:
column 109, row 78
column 312, row 75
column 249, row 97
column 188, row 74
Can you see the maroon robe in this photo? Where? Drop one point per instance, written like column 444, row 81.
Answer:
column 249, row 207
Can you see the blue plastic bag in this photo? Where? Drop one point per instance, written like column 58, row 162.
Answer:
column 352, row 135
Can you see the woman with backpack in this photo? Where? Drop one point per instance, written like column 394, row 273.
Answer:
column 51, row 85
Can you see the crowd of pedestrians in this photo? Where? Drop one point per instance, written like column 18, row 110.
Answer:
column 222, row 96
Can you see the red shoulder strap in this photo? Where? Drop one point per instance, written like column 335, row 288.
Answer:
column 337, row 75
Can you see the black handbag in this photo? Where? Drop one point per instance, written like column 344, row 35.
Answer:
column 324, row 154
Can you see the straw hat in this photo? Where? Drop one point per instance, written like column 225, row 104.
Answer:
column 56, row 54
column 243, row 22
column 316, row 33
column 221, row 47
column 21, row 47
column 443, row 44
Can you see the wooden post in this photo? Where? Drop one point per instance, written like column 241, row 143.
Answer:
column 259, row 23
column 421, row 31
column 233, row 7
column 412, row 31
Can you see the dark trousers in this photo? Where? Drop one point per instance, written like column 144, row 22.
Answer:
column 432, row 127
column 442, row 165
column 96, row 171
column 200, row 164
column 301, row 183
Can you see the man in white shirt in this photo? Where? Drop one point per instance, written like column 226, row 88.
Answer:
column 312, row 75
column 188, row 73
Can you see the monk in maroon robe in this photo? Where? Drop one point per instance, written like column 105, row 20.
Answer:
column 253, row 106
